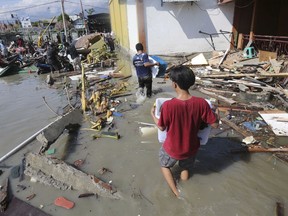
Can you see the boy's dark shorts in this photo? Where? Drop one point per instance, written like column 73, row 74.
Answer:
column 168, row 162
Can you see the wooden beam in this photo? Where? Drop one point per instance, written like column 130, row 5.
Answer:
column 235, row 127
column 254, row 149
column 228, row 75
column 141, row 23
column 252, row 27
column 219, row 97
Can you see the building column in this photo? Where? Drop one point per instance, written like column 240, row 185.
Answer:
column 141, row 23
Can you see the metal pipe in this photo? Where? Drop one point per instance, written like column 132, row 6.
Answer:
column 25, row 142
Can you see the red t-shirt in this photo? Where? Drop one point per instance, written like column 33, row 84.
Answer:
column 182, row 120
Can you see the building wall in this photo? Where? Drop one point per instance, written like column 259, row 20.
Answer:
column 174, row 27
column 119, row 22
column 132, row 25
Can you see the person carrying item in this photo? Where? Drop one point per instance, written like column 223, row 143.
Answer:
column 182, row 117
column 73, row 56
column 52, row 57
column 143, row 70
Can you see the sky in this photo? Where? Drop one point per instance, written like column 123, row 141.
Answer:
column 47, row 9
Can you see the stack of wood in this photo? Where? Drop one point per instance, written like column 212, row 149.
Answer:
column 261, row 78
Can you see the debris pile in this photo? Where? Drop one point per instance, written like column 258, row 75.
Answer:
column 250, row 92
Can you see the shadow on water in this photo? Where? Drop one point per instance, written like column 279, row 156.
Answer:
column 66, row 143
column 216, row 156
column 72, row 141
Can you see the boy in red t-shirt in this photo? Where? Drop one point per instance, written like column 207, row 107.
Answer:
column 181, row 117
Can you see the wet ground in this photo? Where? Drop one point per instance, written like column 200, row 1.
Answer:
column 222, row 183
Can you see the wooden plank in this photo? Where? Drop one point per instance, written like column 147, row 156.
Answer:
column 255, row 149
column 223, row 58
column 225, row 109
column 252, row 108
column 263, row 74
column 266, row 55
column 261, row 149
column 219, row 97
column 228, row 75
column 236, row 128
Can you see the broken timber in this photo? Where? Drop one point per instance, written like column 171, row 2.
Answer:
column 219, row 97
column 235, row 127
column 54, row 172
column 254, row 149
column 230, row 75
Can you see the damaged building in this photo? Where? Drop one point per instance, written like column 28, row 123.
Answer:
column 199, row 26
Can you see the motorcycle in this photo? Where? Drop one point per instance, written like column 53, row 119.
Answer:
column 44, row 67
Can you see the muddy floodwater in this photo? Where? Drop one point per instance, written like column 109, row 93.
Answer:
column 222, row 184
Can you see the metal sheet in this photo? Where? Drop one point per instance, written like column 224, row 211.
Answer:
column 277, row 120
column 18, row 207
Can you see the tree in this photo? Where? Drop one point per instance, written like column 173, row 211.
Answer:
column 90, row 11
column 59, row 25
column 66, row 17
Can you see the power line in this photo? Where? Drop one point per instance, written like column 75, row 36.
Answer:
column 28, row 7
column 86, row 5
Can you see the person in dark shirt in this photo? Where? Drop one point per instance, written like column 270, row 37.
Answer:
column 52, row 59
column 73, row 56
column 143, row 70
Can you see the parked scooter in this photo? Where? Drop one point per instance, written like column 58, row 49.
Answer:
column 44, row 67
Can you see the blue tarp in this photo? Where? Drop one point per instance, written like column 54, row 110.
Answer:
column 162, row 67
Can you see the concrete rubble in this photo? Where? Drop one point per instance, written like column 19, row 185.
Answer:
column 57, row 173
column 51, row 133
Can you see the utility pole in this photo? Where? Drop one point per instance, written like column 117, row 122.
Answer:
column 63, row 18
column 83, row 18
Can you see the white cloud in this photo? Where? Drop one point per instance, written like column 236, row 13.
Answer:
column 43, row 9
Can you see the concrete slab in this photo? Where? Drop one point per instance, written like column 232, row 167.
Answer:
column 57, row 173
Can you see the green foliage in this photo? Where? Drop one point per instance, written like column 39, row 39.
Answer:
column 66, row 17
column 90, row 11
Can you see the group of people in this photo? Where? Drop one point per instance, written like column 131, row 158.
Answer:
column 181, row 117
column 16, row 46
column 56, row 62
